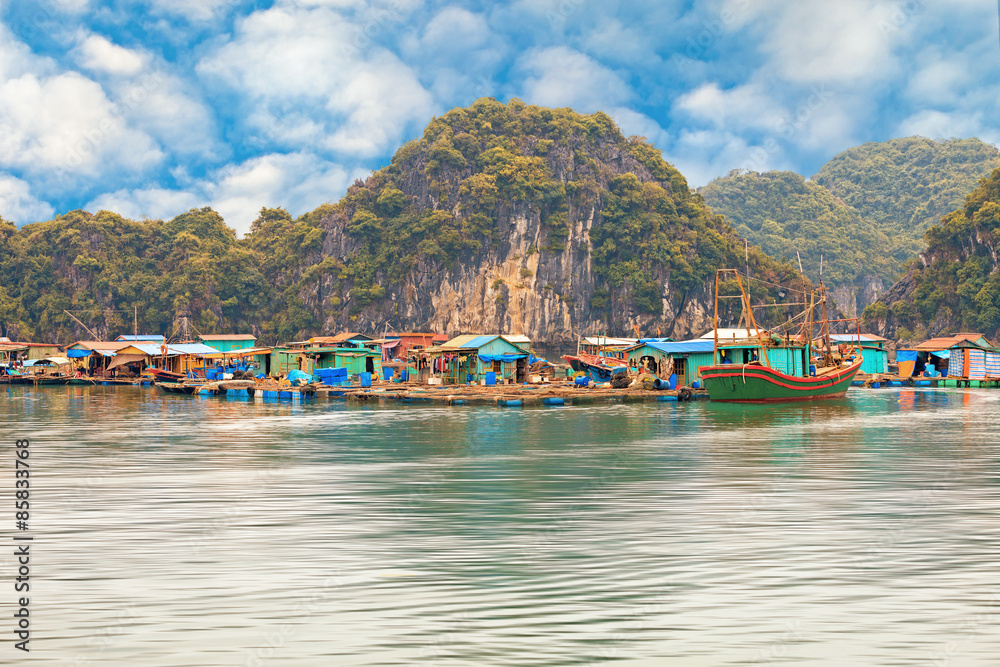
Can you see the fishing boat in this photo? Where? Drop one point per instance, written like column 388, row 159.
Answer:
column 766, row 367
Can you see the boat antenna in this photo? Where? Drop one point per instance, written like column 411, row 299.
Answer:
column 800, row 257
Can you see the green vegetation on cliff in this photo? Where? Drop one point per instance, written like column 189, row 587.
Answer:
column 906, row 185
column 956, row 286
column 102, row 266
column 783, row 213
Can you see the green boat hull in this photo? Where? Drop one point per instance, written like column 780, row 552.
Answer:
column 752, row 383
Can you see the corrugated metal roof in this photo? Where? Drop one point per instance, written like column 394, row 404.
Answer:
column 463, row 341
column 608, row 340
column 141, row 337
column 731, row 334
column 947, row 342
column 847, row 338
column 339, row 338
column 682, row 346
column 102, row 345
column 228, row 337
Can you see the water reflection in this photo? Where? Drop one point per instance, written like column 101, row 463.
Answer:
column 187, row 531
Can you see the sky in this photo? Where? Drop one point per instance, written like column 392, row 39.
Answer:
column 151, row 107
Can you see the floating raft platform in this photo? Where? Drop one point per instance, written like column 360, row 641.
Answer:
column 510, row 396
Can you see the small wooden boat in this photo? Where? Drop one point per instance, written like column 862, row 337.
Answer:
column 179, row 387
column 165, row 376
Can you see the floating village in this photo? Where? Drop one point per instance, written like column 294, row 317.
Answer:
column 744, row 364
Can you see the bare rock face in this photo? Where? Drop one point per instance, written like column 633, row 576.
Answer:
column 853, row 299
column 518, row 289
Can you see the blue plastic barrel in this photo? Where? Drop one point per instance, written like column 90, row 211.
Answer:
column 812, row 370
column 387, row 374
column 491, row 379
column 672, row 382
column 366, row 379
column 553, row 400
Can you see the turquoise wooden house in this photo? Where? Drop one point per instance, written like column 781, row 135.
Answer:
column 355, row 359
column 480, row 358
column 875, row 358
column 229, row 342
column 687, row 356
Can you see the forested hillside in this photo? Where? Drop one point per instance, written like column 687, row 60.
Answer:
column 865, row 211
column 790, row 217
column 905, row 185
column 955, row 285
column 501, row 217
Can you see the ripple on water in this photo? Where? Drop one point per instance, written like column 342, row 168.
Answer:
column 185, row 531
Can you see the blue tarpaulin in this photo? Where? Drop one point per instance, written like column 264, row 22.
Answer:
column 77, row 354
column 490, row 358
column 906, row 355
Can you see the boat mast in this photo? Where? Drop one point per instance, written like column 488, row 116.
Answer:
column 827, row 355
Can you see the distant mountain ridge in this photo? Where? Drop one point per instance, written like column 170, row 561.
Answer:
column 864, row 212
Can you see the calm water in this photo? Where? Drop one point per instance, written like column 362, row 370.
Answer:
column 173, row 530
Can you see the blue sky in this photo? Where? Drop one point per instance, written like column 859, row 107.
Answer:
column 151, row 107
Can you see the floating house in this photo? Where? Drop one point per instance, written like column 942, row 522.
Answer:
column 309, row 358
column 254, row 359
column 663, row 358
column 964, row 355
column 875, row 358
column 11, row 354
column 607, row 346
column 488, row 358
column 186, row 358
column 229, row 342
column 401, row 345
column 94, row 355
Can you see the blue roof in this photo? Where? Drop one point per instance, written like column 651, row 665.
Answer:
column 479, row 341
column 683, row 346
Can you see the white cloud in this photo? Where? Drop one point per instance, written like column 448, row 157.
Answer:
column 455, row 29
column 298, row 182
column 98, row 54
column 849, row 41
column 289, row 61
column 746, row 106
column 560, row 76
column 67, row 123
column 702, row 155
column 17, row 203
column 193, row 10
column 941, row 125
column 632, row 122
column 158, row 103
